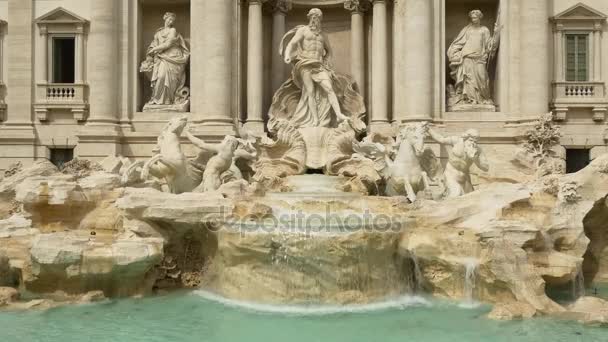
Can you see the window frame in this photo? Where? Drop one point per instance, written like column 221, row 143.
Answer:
column 51, row 56
column 588, row 60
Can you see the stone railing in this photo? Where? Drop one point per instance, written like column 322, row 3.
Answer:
column 579, row 95
column 58, row 96
column 578, row 90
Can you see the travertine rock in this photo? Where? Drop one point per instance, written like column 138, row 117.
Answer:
column 590, row 310
column 77, row 263
column 41, row 168
column 190, row 208
column 8, row 295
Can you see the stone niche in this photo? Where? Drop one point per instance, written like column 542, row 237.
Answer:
column 336, row 25
column 150, row 19
column 456, row 19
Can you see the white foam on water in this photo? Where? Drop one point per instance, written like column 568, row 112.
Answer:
column 317, row 310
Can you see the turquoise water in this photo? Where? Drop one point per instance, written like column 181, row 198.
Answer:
column 200, row 317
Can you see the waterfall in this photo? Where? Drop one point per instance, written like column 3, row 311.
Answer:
column 470, row 277
column 418, row 277
column 578, row 283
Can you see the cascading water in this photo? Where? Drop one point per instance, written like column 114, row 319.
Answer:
column 416, row 284
column 578, row 283
column 470, row 277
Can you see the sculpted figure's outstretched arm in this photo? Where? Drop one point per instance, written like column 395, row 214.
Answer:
column 441, row 139
column 202, row 144
column 289, row 49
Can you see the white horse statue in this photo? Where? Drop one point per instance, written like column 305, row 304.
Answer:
column 168, row 163
column 406, row 165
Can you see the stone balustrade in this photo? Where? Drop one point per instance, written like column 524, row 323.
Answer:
column 579, row 95
column 61, row 96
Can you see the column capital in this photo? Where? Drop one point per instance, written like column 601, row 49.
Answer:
column 357, row 5
column 282, row 6
column 256, row 2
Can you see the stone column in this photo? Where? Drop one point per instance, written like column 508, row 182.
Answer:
column 101, row 136
column 102, row 58
column 379, row 98
column 19, row 66
column 255, row 67
column 559, row 55
column 357, row 40
column 279, row 11
column 43, row 50
column 413, row 60
column 534, row 54
column 79, row 79
column 212, row 30
column 597, row 53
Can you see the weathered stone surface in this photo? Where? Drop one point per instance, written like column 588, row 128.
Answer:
column 8, row 295
column 77, row 263
column 590, row 310
column 16, row 225
column 281, row 267
column 41, row 168
column 189, row 208
column 53, row 190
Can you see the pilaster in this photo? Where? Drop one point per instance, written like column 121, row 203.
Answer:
column 413, row 60
column 212, row 36
column 379, row 96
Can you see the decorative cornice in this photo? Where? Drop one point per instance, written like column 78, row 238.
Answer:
column 357, row 5
column 282, row 6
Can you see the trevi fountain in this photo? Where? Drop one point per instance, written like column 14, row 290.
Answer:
column 316, row 222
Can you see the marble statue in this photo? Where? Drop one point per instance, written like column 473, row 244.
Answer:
column 309, row 109
column 315, row 95
column 169, row 163
column 220, row 162
column 469, row 56
column 406, row 165
column 464, row 153
column 165, row 65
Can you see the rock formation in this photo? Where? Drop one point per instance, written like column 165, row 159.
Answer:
column 508, row 244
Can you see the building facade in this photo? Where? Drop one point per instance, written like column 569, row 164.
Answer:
column 72, row 83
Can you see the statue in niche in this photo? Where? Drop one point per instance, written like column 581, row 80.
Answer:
column 313, row 103
column 464, row 153
column 165, row 66
column 315, row 95
column 469, row 56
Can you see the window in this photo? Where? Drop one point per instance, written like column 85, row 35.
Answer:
column 60, row 156
column 64, row 59
column 577, row 57
column 577, row 159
